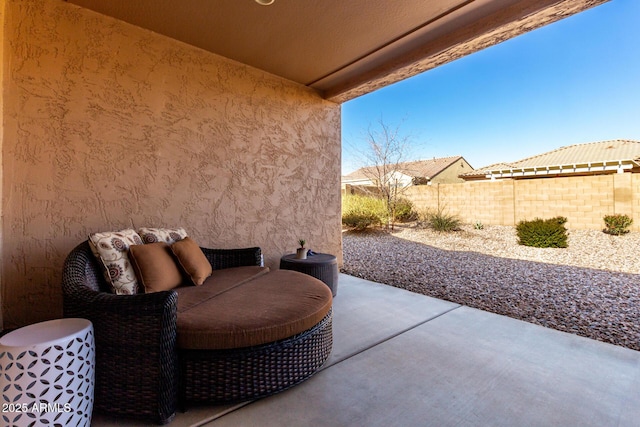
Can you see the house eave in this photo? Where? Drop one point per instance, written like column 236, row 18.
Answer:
column 618, row 166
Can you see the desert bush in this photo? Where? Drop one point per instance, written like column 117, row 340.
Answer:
column 361, row 212
column 617, row 224
column 543, row 233
column 404, row 210
column 439, row 220
column 360, row 220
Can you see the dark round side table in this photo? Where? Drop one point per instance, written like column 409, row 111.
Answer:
column 320, row 266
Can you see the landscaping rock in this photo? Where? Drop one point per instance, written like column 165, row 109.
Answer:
column 591, row 288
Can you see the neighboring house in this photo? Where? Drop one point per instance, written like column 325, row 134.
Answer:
column 596, row 158
column 436, row 170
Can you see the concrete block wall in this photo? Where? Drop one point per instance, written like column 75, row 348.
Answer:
column 583, row 200
column 424, row 197
column 635, row 205
column 471, row 201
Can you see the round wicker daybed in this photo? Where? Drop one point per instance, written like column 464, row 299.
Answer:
column 244, row 334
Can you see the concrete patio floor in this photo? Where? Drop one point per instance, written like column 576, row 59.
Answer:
column 404, row 359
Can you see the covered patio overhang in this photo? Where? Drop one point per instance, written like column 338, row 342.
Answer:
column 342, row 49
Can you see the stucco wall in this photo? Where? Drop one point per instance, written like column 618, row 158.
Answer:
column 584, row 200
column 2, row 66
column 110, row 126
column 451, row 173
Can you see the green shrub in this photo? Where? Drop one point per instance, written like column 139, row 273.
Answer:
column 617, row 224
column 404, row 210
column 543, row 233
column 361, row 212
column 439, row 221
column 360, row 221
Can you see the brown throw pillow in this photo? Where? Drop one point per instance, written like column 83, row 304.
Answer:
column 192, row 260
column 155, row 267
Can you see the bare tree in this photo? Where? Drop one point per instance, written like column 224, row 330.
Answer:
column 387, row 150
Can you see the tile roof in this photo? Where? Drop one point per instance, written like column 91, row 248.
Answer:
column 419, row 168
column 577, row 154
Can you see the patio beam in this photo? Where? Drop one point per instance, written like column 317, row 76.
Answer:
column 463, row 38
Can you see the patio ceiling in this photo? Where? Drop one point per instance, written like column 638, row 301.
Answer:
column 342, row 49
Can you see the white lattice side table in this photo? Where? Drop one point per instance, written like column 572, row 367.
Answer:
column 47, row 374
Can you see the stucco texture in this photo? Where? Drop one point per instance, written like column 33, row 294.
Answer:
column 109, row 126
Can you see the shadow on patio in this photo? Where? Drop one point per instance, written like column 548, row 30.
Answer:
column 402, row 358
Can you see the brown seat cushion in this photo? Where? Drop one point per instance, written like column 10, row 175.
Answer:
column 269, row 308
column 220, row 281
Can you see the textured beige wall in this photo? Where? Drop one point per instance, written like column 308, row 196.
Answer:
column 584, row 200
column 110, row 126
column 2, row 62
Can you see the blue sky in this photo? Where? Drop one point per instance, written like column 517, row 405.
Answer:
column 571, row 82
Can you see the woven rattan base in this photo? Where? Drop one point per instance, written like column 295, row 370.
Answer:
column 231, row 376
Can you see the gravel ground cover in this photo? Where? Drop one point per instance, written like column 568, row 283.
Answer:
column 591, row 288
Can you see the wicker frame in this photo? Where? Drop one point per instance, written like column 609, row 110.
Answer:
column 237, row 375
column 138, row 364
